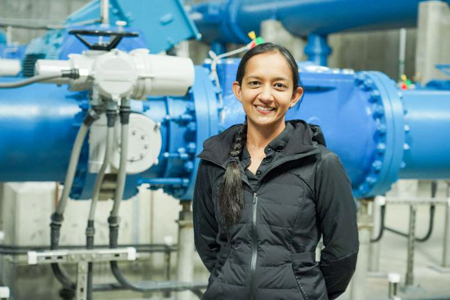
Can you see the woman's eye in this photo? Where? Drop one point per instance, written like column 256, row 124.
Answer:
column 253, row 83
column 280, row 85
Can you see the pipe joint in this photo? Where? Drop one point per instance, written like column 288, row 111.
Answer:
column 91, row 116
column 57, row 220
column 113, row 221
column 125, row 112
column 111, row 117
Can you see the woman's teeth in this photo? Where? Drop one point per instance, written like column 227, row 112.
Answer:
column 264, row 108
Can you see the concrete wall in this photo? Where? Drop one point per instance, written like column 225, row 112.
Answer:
column 378, row 50
column 36, row 12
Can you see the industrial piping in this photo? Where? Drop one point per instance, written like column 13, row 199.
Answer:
column 229, row 21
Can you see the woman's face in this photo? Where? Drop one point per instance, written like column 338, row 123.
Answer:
column 267, row 92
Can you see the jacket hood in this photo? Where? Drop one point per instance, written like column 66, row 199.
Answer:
column 305, row 139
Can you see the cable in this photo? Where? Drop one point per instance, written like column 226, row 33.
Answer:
column 90, row 230
column 121, row 176
column 113, row 219
column 28, row 81
column 72, row 73
column 429, row 231
column 57, row 217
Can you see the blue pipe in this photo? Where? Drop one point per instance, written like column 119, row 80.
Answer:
column 229, row 21
column 427, row 115
column 317, row 49
column 380, row 133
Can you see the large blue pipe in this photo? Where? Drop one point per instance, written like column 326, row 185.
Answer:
column 379, row 132
column 229, row 21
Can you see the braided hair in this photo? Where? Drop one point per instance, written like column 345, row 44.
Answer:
column 231, row 199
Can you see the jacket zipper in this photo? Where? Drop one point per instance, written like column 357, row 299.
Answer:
column 254, row 248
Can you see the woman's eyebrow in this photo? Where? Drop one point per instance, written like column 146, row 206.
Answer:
column 253, row 77
column 274, row 79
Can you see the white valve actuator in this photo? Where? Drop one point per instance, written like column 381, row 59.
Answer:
column 118, row 74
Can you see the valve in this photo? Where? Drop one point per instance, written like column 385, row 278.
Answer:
column 117, row 36
column 116, row 74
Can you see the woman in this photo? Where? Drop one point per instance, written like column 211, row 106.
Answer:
column 266, row 192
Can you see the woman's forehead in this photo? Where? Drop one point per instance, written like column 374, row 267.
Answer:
column 272, row 64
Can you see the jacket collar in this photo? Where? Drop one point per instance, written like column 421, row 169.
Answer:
column 302, row 138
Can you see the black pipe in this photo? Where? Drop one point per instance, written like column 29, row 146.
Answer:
column 147, row 248
column 430, row 223
column 380, row 234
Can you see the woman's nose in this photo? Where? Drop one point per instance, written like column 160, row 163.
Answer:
column 266, row 94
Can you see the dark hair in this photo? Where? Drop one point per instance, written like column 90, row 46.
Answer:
column 231, row 199
column 267, row 48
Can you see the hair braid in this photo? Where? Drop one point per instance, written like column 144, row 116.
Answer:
column 231, row 199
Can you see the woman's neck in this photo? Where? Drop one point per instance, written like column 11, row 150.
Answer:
column 259, row 137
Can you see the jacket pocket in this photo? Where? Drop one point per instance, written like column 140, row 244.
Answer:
column 299, row 286
column 308, row 276
column 213, row 292
column 215, row 289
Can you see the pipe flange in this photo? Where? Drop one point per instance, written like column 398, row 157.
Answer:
column 388, row 115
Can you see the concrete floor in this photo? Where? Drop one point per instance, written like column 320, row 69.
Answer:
column 429, row 283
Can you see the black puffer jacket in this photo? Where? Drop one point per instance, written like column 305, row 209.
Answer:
column 270, row 254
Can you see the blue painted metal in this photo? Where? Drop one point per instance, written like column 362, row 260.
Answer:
column 2, row 38
column 380, row 133
column 163, row 23
column 229, row 21
column 12, row 51
column 37, row 137
column 363, row 118
column 317, row 49
column 427, row 115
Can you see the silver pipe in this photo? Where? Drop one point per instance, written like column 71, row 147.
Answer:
column 409, row 278
column 401, row 53
column 446, row 252
column 70, row 175
column 101, row 173
column 104, row 12
column 9, row 35
column 40, row 24
column 417, row 201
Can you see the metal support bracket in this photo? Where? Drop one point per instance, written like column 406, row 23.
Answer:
column 82, row 258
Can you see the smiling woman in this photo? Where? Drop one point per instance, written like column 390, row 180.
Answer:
column 267, row 190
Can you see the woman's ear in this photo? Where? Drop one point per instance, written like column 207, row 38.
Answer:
column 236, row 90
column 296, row 96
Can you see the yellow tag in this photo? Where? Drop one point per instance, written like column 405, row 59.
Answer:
column 252, row 35
column 403, row 77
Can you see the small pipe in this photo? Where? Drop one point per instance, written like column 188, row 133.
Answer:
column 401, row 54
column 23, row 24
column 409, row 278
column 8, row 35
column 165, row 181
column 446, row 248
column 147, row 248
column 104, row 12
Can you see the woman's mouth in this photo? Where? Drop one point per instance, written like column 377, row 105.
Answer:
column 263, row 109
